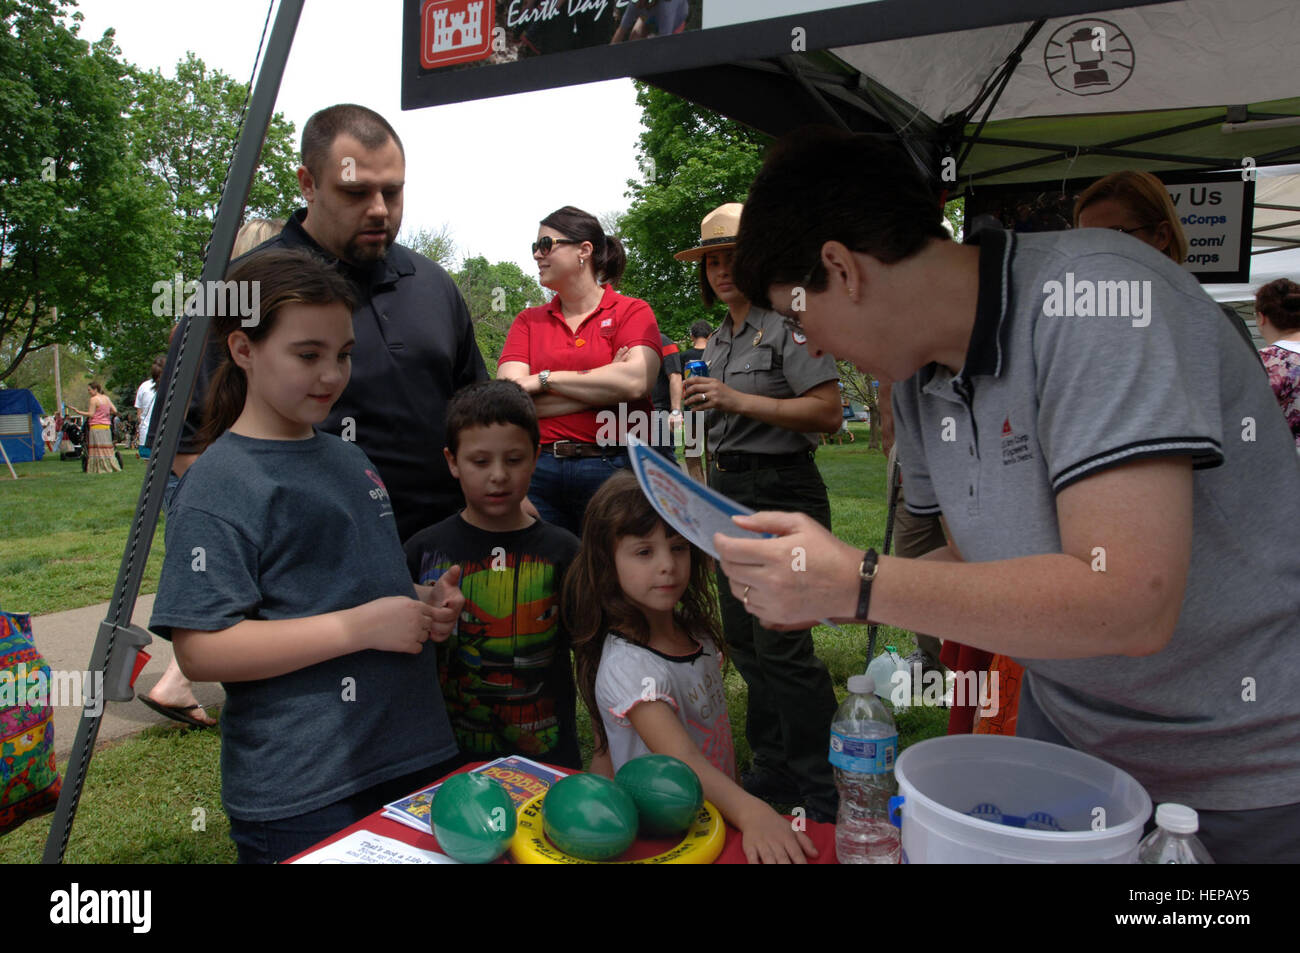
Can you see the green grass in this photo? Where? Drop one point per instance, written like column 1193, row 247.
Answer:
column 63, row 540
column 64, row 534
column 141, row 803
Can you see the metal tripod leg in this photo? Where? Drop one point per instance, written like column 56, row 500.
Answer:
column 895, row 483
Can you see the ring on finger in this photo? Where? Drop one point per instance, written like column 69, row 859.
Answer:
column 745, row 598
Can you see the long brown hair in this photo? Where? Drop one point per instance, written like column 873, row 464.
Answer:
column 285, row 276
column 594, row 602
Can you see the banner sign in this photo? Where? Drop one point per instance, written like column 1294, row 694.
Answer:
column 1214, row 209
column 457, row 50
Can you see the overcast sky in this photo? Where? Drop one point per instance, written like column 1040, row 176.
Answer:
column 489, row 169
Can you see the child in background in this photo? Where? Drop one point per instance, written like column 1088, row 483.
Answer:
column 640, row 604
column 507, row 678
column 284, row 580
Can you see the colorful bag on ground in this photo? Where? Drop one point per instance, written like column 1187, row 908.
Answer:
column 29, row 773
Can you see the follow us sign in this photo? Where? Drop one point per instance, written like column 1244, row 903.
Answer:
column 1216, row 215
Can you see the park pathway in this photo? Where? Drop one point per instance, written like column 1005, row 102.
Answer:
column 66, row 639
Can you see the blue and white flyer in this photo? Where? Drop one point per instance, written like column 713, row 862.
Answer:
column 691, row 508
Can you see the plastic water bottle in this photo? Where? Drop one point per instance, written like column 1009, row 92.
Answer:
column 882, row 669
column 864, row 743
column 1174, row 840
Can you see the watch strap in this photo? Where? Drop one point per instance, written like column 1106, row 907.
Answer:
column 866, row 576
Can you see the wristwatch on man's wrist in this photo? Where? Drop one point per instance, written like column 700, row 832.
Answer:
column 866, row 575
column 544, row 379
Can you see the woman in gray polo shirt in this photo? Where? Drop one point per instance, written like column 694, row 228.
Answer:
column 765, row 397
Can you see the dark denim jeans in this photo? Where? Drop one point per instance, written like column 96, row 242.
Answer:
column 561, row 488
column 270, row 842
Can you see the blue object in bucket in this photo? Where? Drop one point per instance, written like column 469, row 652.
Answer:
column 1038, row 821
column 896, row 810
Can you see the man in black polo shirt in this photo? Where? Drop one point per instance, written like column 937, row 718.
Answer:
column 415, row 342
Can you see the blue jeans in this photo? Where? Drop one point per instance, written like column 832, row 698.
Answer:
column 169, row 491
column 270, row 842
column 561, row 488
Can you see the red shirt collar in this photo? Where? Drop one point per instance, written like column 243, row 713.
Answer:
column 606, row 301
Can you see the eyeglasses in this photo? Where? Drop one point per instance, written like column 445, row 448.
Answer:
column 1129, row 231
column 792, row 323
column 546, row 243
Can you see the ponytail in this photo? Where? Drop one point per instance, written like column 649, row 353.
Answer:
column 227, row 392
column 611, row 261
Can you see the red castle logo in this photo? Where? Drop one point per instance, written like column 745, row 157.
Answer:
column 455, row 31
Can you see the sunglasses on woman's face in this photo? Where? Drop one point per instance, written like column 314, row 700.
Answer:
column 546, row 243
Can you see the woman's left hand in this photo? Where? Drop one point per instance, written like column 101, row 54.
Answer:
column 802, row 574
column 707, row 393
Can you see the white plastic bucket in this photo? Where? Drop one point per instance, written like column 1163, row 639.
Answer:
column 1045, row 804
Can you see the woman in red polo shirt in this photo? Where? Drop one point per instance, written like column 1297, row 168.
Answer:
column 563, row 354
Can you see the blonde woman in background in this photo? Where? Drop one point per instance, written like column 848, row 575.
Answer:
column 253, row 233
column 1138, row 204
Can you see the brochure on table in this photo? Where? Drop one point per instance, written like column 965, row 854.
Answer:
column 523, row 780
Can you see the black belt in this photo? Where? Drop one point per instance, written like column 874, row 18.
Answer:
column 572, row 448
column 761, row 461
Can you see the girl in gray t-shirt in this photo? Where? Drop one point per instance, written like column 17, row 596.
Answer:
column 284, row 579
column 640, row 606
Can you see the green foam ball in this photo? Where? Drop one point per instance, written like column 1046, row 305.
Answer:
column 667, row 793
column 589, row 817
column 473, row 818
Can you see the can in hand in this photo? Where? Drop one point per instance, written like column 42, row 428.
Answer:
column 695, row 369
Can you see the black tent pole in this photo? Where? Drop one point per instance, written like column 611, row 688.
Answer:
column 118, row 642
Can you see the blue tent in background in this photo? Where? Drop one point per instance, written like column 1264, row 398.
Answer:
column 20, row 425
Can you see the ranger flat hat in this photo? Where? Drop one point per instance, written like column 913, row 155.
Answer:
column 717, row 232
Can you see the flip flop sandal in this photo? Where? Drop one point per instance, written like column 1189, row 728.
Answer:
column 176, row 712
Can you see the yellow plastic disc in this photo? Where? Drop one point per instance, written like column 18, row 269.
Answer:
column 702, row 844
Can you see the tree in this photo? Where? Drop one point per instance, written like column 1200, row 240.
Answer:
column 435, row 244
column 692, row 161
column 183, row 131
column 495, row 294
column 81, row 225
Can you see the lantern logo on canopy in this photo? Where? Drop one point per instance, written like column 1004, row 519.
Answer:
column 1088, row 57
column 455, row 31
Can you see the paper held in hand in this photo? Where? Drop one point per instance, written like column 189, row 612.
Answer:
column 689, row 507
